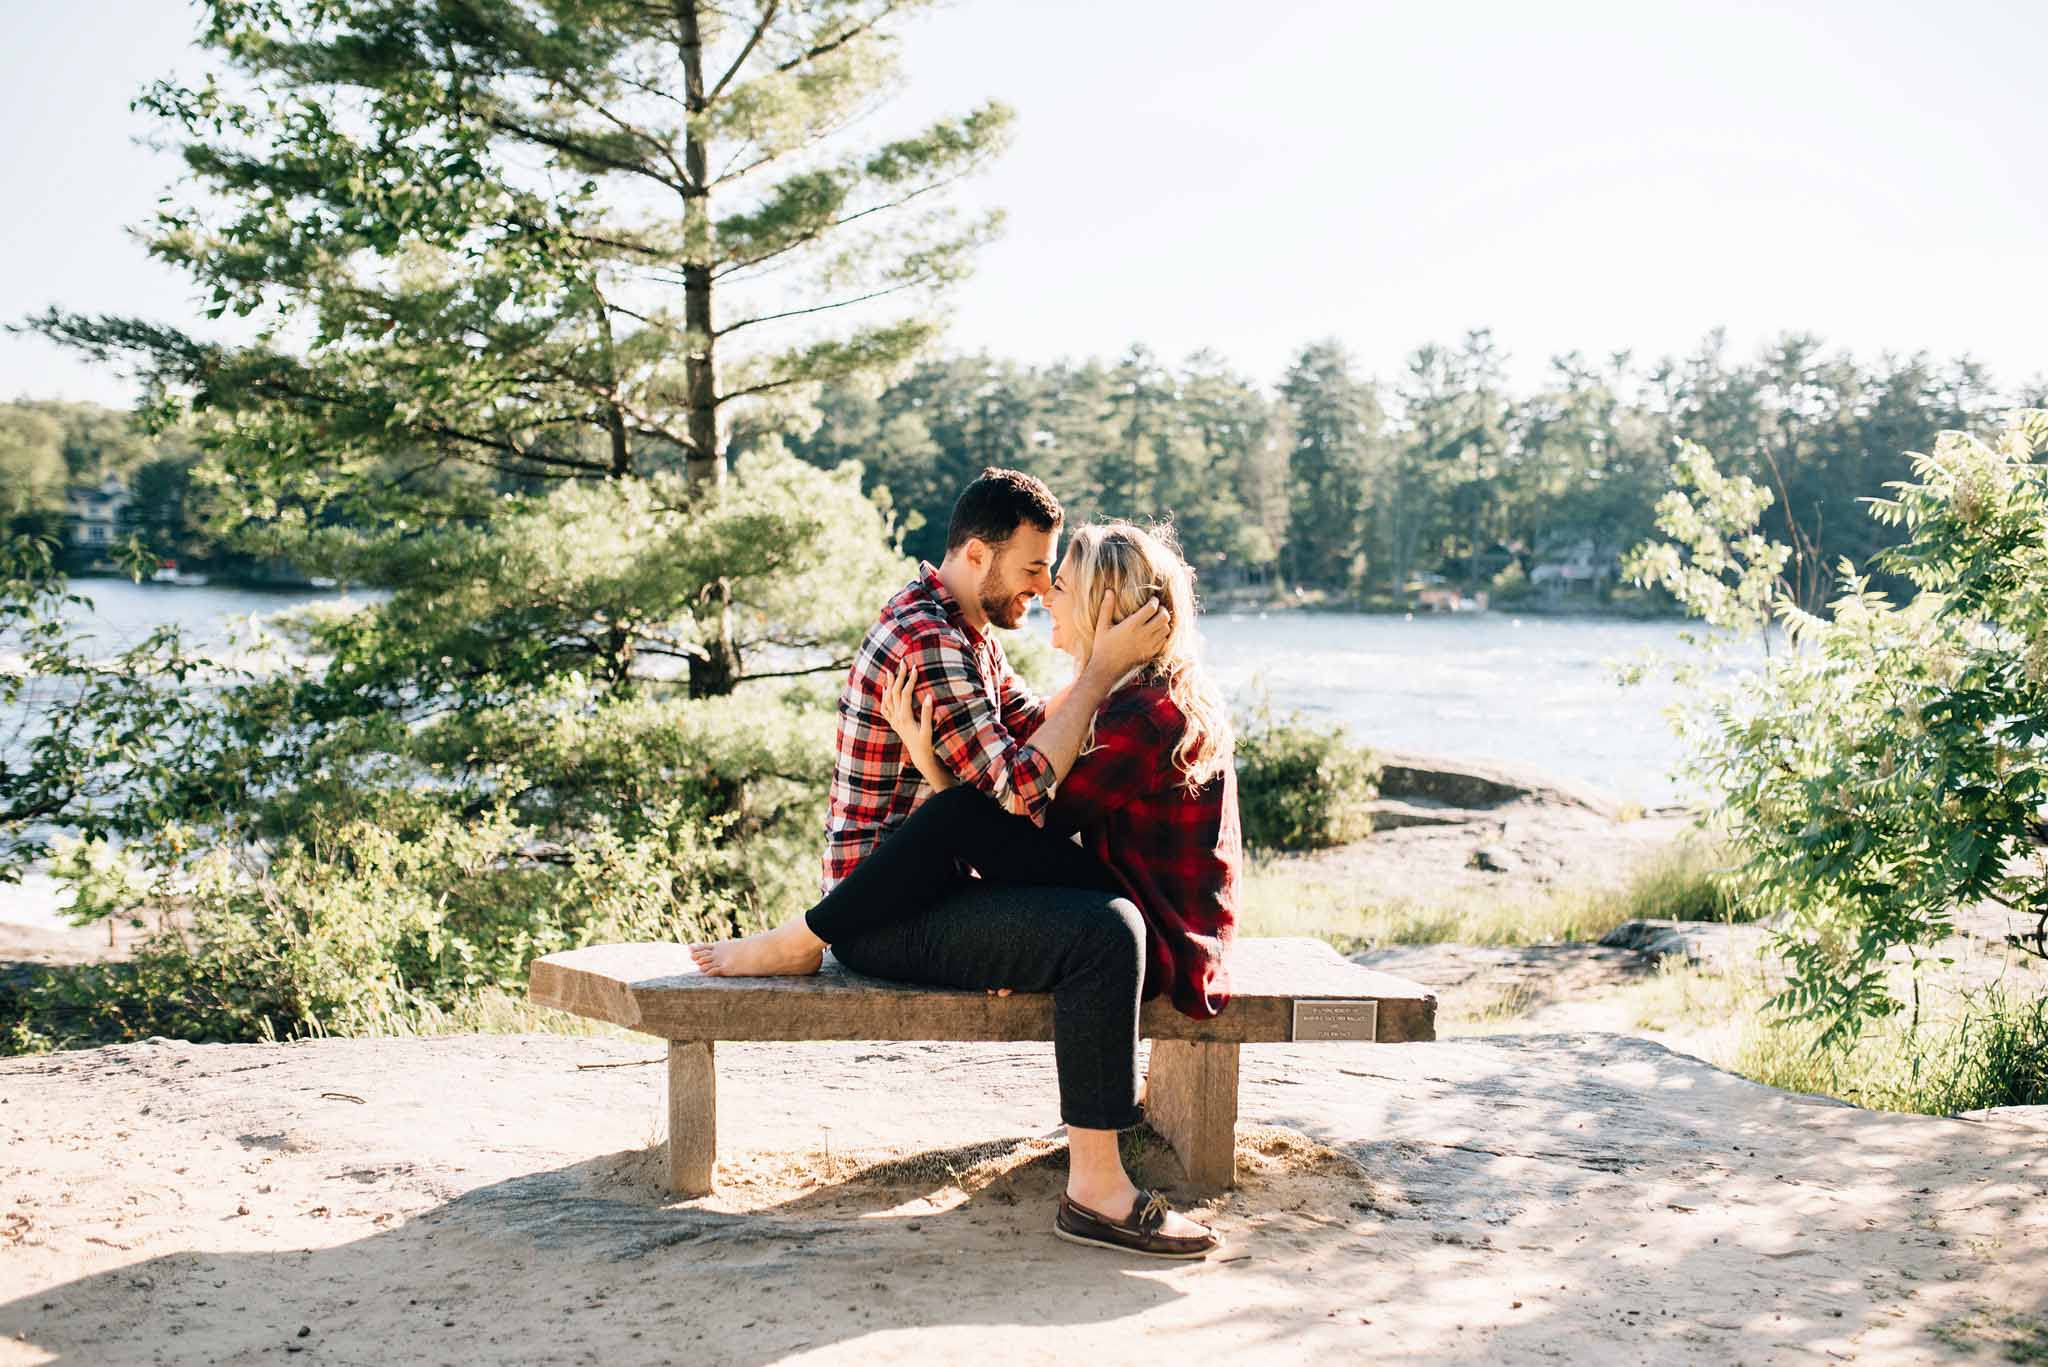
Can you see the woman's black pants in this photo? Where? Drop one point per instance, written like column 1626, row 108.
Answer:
column 1044, row 916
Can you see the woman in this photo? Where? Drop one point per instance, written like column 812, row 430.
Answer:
column 1153, row 800
column 1153, row 796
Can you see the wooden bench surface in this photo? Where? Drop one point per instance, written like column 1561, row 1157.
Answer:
column 657, row 990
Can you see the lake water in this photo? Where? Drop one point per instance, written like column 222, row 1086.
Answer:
column 1538, row 692
column 124, row 613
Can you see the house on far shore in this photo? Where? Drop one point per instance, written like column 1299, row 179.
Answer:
column 1578, row 568
column 94, row 513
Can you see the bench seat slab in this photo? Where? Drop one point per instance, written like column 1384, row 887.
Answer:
column 657, row 990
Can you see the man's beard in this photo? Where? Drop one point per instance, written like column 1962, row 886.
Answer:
column 1004, row 609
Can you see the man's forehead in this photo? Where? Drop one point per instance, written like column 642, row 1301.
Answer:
column 1030, row 546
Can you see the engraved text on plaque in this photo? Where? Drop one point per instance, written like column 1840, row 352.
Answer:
column 1336, row 1020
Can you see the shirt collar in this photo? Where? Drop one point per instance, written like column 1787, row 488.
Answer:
column 950, row 605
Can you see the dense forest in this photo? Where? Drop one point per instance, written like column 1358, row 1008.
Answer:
column 1358, row 485
column 1355, row 486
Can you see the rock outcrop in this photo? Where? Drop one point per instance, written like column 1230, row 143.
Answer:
column 1420, row 782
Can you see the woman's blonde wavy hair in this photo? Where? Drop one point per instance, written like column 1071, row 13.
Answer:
column 1133, row 566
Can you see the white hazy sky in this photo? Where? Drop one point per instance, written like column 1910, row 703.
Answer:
column 1247, row 177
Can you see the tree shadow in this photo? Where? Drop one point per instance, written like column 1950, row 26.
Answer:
column 1509, row 1200
column 622, row 1268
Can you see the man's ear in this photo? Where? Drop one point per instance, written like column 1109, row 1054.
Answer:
column 978, row 553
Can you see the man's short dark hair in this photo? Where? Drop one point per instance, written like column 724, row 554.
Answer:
column 997, row 503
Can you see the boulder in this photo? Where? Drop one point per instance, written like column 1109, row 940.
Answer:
column 1461, row 783
column 1710, row 942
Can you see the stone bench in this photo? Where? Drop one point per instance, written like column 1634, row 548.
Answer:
column 1283, row 990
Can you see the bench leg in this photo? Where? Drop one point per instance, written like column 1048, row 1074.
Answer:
column 692, row 1117
column 1191, row 1100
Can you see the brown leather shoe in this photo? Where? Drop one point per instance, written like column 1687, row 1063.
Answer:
column 1137, row 1232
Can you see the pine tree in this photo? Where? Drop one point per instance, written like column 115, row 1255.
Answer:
column 1235, row 511
column 556, row 240
column 1337, row 422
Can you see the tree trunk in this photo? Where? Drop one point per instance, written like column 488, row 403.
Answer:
column 718, row 671
column 706, row 456
column 615, row 416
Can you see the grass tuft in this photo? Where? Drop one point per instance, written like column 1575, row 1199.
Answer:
column 1986, row 1048
column 1973, row 1048
column 1283, row 896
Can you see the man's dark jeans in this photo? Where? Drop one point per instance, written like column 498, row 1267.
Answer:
column 1044, row 917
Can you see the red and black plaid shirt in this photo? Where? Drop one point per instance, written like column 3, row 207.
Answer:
column 982, row 717
column 1175, row 853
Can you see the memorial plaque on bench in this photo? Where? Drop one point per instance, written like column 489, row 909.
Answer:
column 1336, row 1020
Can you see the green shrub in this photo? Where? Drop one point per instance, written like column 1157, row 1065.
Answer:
column 1511, row 586
column 364, row 930
column 1888, row 765
column 1301, row 786
column 1992, row 1050
column 378, row 831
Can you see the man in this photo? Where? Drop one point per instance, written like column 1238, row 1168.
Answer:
column 1001, row 546
column 1083, row 945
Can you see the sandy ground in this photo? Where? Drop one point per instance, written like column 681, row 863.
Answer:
column 1553, row 1195
column 1575, row 1198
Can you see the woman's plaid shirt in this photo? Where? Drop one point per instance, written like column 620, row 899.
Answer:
column 1176, row 854
column 982, row 715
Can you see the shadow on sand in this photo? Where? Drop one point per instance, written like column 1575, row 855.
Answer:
column 1573, row 1203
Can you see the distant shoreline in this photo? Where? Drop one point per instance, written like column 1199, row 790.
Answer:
column 1263, row 600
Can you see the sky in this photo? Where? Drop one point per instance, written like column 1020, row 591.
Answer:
column 1245, row 178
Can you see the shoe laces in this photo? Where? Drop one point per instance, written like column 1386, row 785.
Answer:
column 1154, row 1213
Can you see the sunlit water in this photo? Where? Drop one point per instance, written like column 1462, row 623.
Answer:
column 124, row 613
column 219, row 621
column 1538, row 692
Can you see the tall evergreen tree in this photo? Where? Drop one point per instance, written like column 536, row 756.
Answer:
column 1142, row 461
column 1474, row 483
column 543, row 241
column 1238, row 514
column 1337, row 422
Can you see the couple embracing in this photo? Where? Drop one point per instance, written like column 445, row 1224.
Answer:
column 1101, row 822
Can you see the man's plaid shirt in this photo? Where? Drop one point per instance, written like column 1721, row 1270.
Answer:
column 1176, row 854
column 982, row 715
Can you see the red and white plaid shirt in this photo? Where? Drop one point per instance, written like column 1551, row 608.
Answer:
column 982, row 717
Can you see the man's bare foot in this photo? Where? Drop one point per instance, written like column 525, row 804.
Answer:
column 788, row 950
column 1115, row 1204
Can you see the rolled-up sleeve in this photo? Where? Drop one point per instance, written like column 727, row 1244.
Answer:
column 968, row 731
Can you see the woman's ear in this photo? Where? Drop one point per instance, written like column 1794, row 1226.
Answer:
column 1105, row 610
